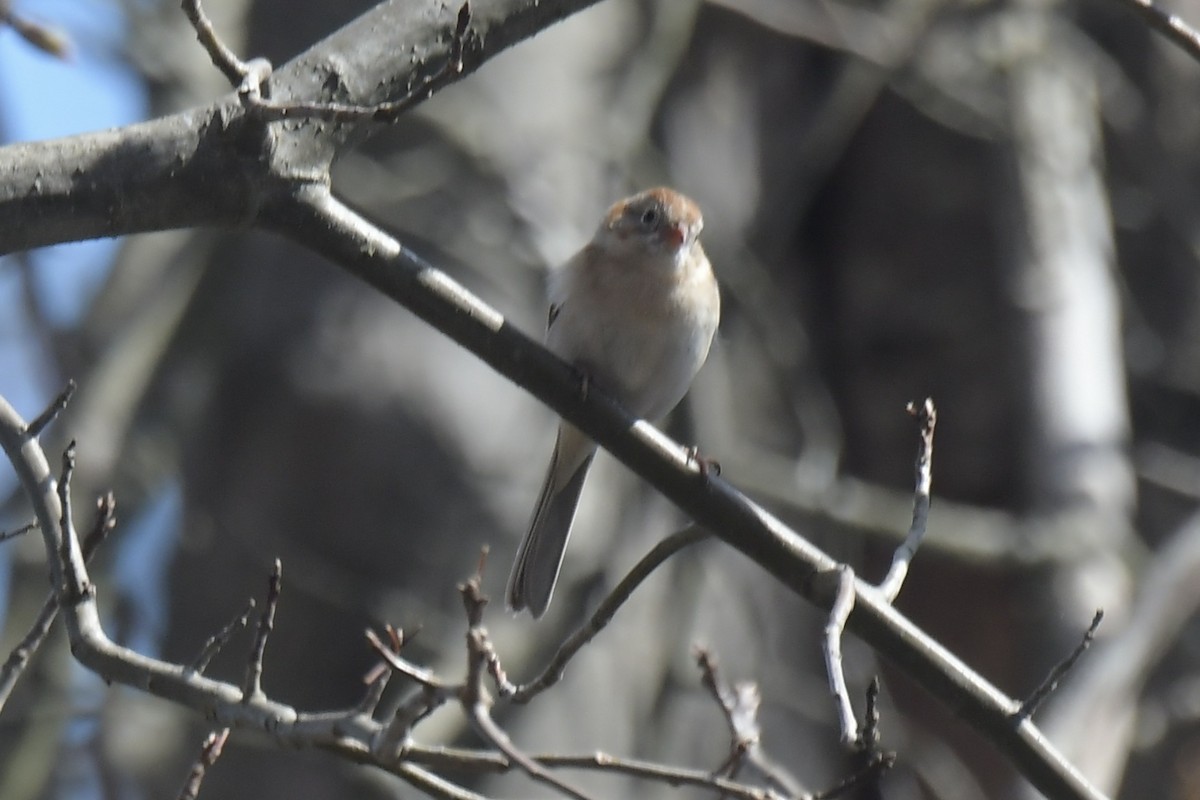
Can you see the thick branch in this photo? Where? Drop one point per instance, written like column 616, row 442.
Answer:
column 215, row 166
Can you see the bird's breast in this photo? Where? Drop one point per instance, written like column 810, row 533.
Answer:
column 642, row 340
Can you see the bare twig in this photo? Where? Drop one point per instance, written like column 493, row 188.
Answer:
column 210, row 751
column 75, row 586
column 477, row 702
column 252, row 687
column 462, row 760
column 876, row 765
column 21, row 531
column 373, row 696
column 605, row 611
column 53, row 410
column 251, row 78
column 18, row 659
column 1170, row 25
column 739, row 705
column 835, row 627
column 106, row 520
column 378, row 677
column 51, row 41
column 889, row 587
column 430, row 697
column 870, row 761
column 494, row 735
column 396, row 641
column 434, row 691
column 870, row 730
column 672, row 776
column 421, row 675
column 223, row 58
column 218, row 640
column 1047, row 687
column 926, row 416
column 435, row 786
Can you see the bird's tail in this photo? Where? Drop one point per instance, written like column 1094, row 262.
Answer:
column 540, row 556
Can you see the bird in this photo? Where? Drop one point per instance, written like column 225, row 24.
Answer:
column 635, row 312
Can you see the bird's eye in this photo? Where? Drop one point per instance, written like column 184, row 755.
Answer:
column 649, row 217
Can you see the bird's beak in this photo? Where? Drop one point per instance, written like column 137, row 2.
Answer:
column 675, row 235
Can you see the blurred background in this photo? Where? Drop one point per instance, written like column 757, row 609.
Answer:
column 995, row 204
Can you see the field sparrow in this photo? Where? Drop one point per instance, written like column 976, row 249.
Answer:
column 635, row 310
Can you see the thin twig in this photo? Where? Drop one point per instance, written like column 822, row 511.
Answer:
column 876, row 766
column 373, row 695
column 396, row 642
column 1169, row 25
column 1047, row 687
column 19, row 658
column 740, row 708
column 252, row 688
column 217, row 641
column 224, row 59
column 494, row 735
column 51, row 41
column 739, row 705
column 454, row 759
column 210, row 751
column 474, row 697
column 926, row 416
column 870, row 760
column 76, row 586
column 457, row 759
column 434, row 692
column 434, row 785
column 606, row 610
column 106, row 520
column 380, row 675
column 670, row 775
column 21, row 531
column 843, row 604
column 413, row 710
column 425, row 677
column 870, row 729
column 53, row 410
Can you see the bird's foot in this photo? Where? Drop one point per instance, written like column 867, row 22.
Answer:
column 706, row 466
column 584, row 376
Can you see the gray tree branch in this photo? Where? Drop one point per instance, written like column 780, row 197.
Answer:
column 218, row 166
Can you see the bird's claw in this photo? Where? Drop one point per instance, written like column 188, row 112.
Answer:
column 705, row 465
column 585, row 381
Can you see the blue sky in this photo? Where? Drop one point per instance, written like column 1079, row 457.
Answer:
column 42, row 98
